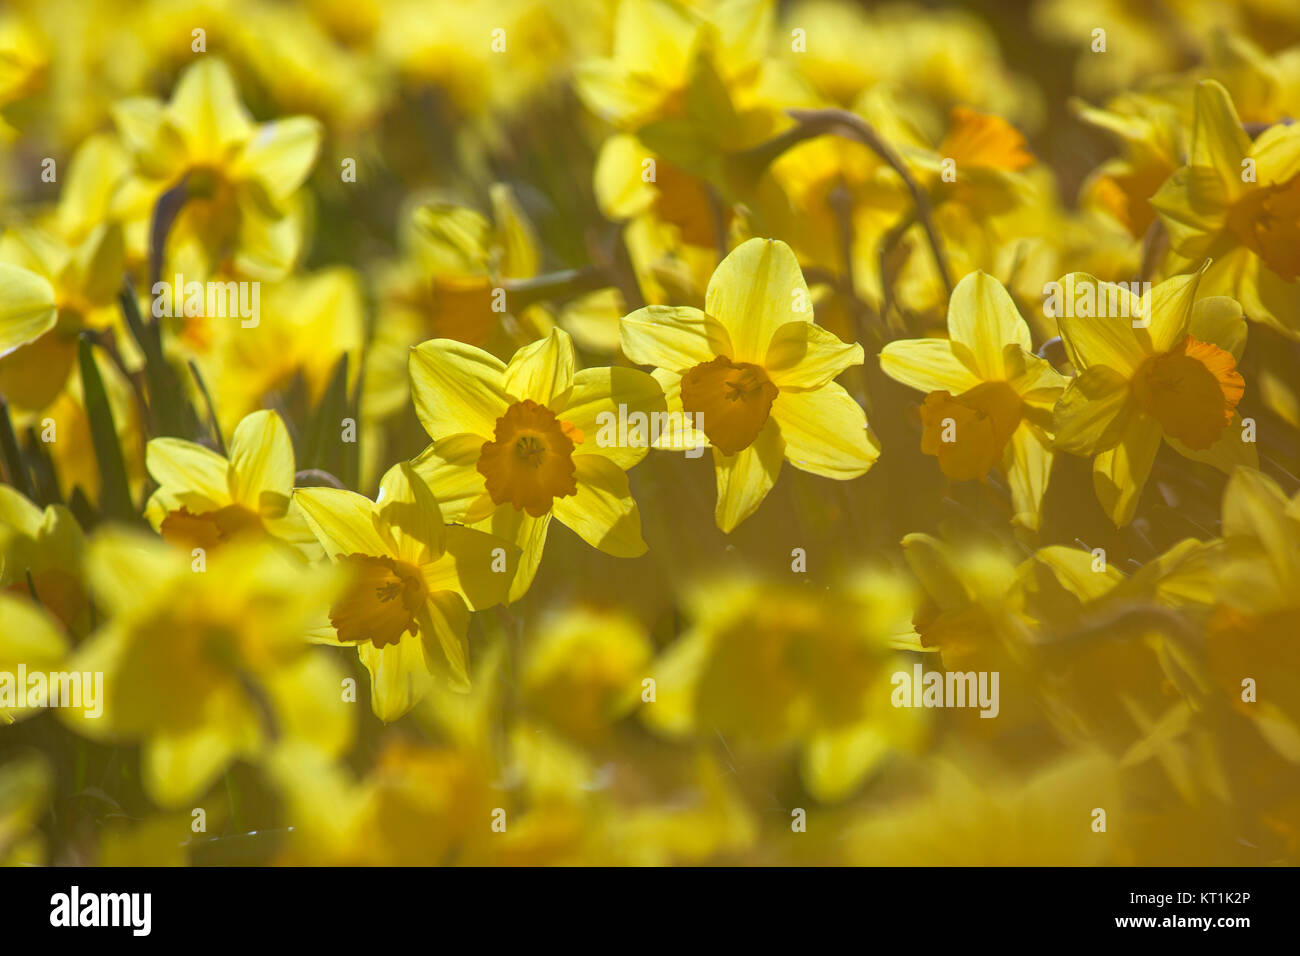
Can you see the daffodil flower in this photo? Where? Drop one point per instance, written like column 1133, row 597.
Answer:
column 1237, row 202
column 833, row 707
column 753, row 373
column 1253, row 628
column 205, row 666
column 414, row 582
column 204, row 499
column 990, row 398
column 1171, row 374
column 515, row 445
column 41, row 557
column 239, row 176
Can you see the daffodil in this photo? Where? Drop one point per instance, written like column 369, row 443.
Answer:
column 1237, row 202
column 990, row 397
column 1250, row 639
column 584, row 670
column 26, row 785
column 444, row 287
column 40, row 557
column 205, row 499
column 1169, row 373
column 768, row 667
column 32, row 640
column 206, row 664
column 413, row 584
column 517, row 444
column 238, row 177
column 753, row 374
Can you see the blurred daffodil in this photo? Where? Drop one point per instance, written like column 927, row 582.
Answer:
column 205, row 499
column 237, row 177
column 221, row 648
column 1237, row 201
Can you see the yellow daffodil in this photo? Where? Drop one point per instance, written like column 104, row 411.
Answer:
column 204, row 499
column 27, row 307
column 33, row 641
column 221, row 648
column 767, row 666
column 1250, row 641
column 584, row 670
column 445, row 287
column 754, row 374
column 515, row 445
column 1237, row 201
column 40, row 557
column 990, row 397
column 413, row 584
column 1170, row 373
column 239, row 177
column 26, row 783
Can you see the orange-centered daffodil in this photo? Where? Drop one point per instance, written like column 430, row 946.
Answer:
column 1171, row 373
column 990, row 397
column 752, row 376
column 517, row 444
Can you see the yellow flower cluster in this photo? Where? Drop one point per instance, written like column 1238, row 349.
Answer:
column 356, row 359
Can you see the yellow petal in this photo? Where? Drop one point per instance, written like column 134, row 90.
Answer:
column 179, row 766
column 261, row 463
column 207, row 110
column 1028, row 466
column 805, row 355
column 1093, row 411
column 756, row 290
column 1168, row 310
column 1226, row 454
column 444, row 626
column 188, row 471
column 514, row 235
column 529, row 534
column 982, row 317
column 928, row 365
column 602, row 512
column 1220, row 321
column 399, row 676
column 542, row 370
column 745, row 479
column 409, row 512
column 596, row 399
column 825, row 432
column 1119, row 475
column 342, row 521
column 1218, row 141
column 676, row 338
column 26, row 307
column 1090, row 340
column 280, row 154
column 469, row 567
column 457, row 388
column 450, row 468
